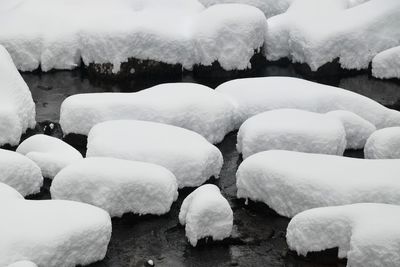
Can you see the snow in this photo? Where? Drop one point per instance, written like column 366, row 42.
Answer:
column 20, row 172
column 386, row 64
column 205, row 212
column 383, row 144
column 186, row 154
column 49, row 153
column 255, row 95
column 188, row 105
column 7, row 193
column 23, row 264
column 291, row 129
column 17, row 109
column 367, row 234
column 117, row 186
column 275, row 178
column 53, row 232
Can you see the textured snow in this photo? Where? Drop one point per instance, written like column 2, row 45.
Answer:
column 185, row 153
column 117, row 186
column 255, row 95
column 383, row 144
column 8, row 193
column 386, row 64
column 291, row 129
column 291, row 182
column 367, row 234
column 23, row 264
column 53, row 232
column 17, row 109
column 205, row 212
column 49, row 153
column 192, row 106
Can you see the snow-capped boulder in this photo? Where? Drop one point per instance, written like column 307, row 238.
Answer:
column 192, row 106
column 383, row 144
column 255, row 95
column 386, row 64
column 186, row 154
column 291, row 182
column 17, row 109
column 291, row 129
column 23, row 264
column 49, row 153
column 367, row 234
column 53, row 232
column 206, row 213
column 8, row 193
column 117, row 186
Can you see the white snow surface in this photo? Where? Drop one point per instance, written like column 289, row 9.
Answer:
column 188, row 105
column 23, row 264
column 205, row 212
column 291, row 182
column 255, row 95
column 49, row 153
column 188, row 155
column 8, row 193
column 368, row 234
column 291, row 129
column 53, row 232
column 17, row 109
column 386, row 64
column 383, row 144
column 117, row 186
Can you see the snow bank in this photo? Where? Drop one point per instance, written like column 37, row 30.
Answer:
column 276, row 178
column 117, row 186
column 367, row 234
column 255, row 95
column 192, row 106
column 49, row 153
column 383, row 144
column 23, row 264
column 205, row 212
column 291, row 129
column 17, row 109
column 386, row 64
column 8, row 193
column 186, row 154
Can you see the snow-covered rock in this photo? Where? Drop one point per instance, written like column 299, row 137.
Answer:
column 117, row 186
column 17, row 109
column 23, row 264
column 255, row 95
column 186, row 154
column 192, row 106
column 383, row 144
column 49, row 153
column 386, row 64
column 367, row 234
column 291, row 182
column 20, row 172
column 53, row 232
column 291, row 129
column 206, row 213
column 8, row 193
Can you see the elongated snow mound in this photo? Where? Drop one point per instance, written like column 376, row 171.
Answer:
column 8, row 193
column 186, row 154
column 49, row 153
column 291, row 182
column 367, row 234
column 53, row 232
column 117, row 186
column 386, row 64
column 17, row 109
column 255, row 95
column 205, row 212
column 23, row 264
column 383, row 144
column 192, row 106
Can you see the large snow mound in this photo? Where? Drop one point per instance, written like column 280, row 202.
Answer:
column 8, row 193
column 291, row 182
column 383, row 144
column 367, row 234
column 49, row 153
column 17, row 109
column 205, row 212
column 188, row 105
column 53, row 232
column 386, row 64
column 255, row 95
column 22, row 264
column 186, row 154
column 291, row 129
column 117, row 186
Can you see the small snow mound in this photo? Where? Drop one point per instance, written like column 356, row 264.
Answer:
column 386, row 64
column 23, row 264
column 8, row 193
column 383, row 144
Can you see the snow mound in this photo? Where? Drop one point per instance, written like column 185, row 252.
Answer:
column 23, row 264
column 117, row 186
column 192, row 106
column 186, row 154
column 291, row 129
column 17, row 109
column 53, row 232
column 205, row 212
column 367, row 234
column 275, row 178
column 49, row 153
column 255, row 95
column 383, row 144
column 7, row 193
column 386, row 64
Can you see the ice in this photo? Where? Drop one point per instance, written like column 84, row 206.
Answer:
column 7, row 193
column 23, row 264
column 383, row 144
column 386, row 64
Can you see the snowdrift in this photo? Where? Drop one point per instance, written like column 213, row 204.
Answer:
column 383, row 144
column 386, row 64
